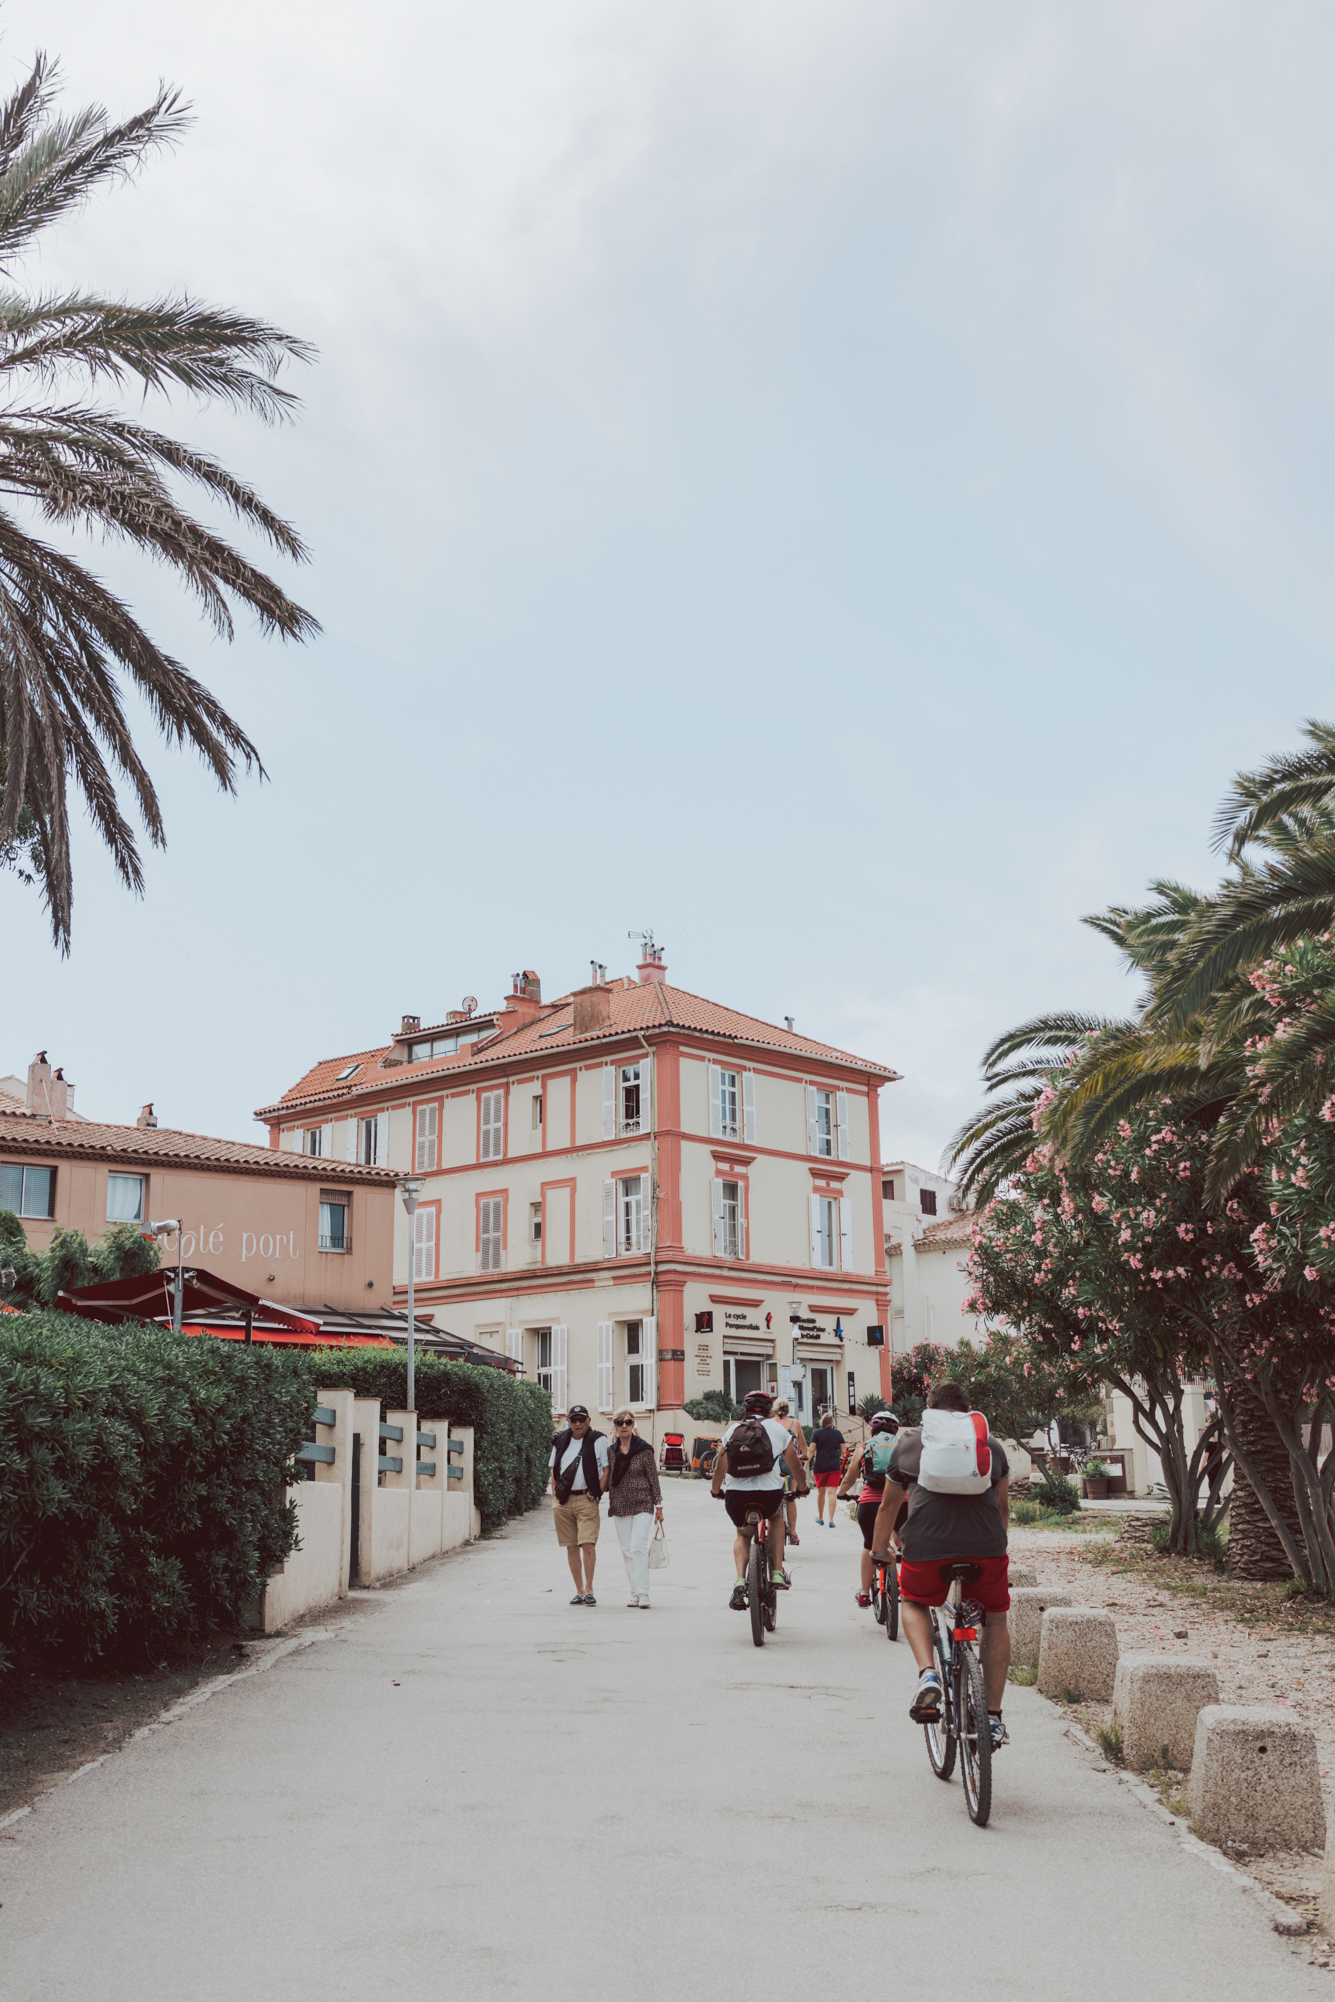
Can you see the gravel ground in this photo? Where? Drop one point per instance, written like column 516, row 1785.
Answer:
column 1264, row 1648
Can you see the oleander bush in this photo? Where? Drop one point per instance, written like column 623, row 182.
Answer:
column 511, row 1417
column 142, row 1479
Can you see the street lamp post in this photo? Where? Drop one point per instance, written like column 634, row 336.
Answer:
column 410, row 1188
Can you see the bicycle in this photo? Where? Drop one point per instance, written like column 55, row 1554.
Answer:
column 762, row 1598
column 885, row 1594
column 962, row 1725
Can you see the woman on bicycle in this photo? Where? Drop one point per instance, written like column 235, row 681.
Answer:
column 782, row 1415
column 870, row 1493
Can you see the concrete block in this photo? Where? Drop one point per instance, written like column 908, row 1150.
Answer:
column 1077, row 1651
column 1255, row 1779
column 1028, row 1606
column 1156, row 1701
column 1022, row 1574
column 1325, row 1916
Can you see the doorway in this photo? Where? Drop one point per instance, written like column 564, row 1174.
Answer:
column 822, row 1389
column 740, row 1376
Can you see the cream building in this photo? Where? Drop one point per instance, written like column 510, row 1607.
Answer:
column 927, row 1255
column 637, row 1193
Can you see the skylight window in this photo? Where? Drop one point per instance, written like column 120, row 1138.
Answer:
column 556, row 1028
column 349, row 1070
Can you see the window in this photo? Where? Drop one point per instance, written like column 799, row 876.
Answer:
column 535, row 1223
column 825, row 1230
column 888, row 1191
column 628, row 1095
column 125, row 1198
column 428, row 1138
column 927, row 1197
column 314, row 1140
column 729, row 1220
column 371, row 1141
column 334, row 1218
column 740, row 1377
column 732, row 1104
column 636, row 1368
column 727, row 1104
column 441, row 1046
column 348, row 1070
column 545, row 1358
column 537, row 1112
column 424, row 1243
column 630, row 1214
column 824, row 1122
column 27, row 1191
column 491, row 1221
column 493, row 1124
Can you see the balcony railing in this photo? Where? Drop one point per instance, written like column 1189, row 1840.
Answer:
column 343, row 1243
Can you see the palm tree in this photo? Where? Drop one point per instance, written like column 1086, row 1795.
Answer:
column 67, row 643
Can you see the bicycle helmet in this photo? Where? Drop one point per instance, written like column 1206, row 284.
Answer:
column 885, row 1421
column 756, row 1403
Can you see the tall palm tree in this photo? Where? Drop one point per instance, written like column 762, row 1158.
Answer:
column 68, row 645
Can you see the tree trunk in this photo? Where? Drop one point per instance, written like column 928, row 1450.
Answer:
column 1254, row 1550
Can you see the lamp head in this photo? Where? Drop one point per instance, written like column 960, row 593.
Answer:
column 410, row 1188
column 163, row 1229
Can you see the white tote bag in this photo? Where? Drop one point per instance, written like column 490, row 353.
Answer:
column 658, row 1550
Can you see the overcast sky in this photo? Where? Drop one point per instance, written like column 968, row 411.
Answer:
column 844, row 485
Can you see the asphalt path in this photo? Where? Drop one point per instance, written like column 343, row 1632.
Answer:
column 473, row 1789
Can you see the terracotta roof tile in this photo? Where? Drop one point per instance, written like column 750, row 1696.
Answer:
column 20, row 1133
column 956, row 1229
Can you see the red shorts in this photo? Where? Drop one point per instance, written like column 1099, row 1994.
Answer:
column 827, row 1480
column 928, row 1585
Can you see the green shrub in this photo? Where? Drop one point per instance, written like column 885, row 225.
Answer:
column 142, row 1481
column 714, row 1408
column 1053, row 1491
column 512, row 1418
column 869, row 1405
column 122, row 1252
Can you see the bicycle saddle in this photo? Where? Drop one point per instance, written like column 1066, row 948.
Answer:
column 966, row 1572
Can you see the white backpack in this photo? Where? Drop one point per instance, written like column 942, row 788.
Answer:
column 956, row 1459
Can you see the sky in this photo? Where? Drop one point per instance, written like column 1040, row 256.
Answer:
column 843, row 486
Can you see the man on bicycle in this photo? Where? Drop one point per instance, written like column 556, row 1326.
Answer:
column 757, row 1493
column 941, row 1530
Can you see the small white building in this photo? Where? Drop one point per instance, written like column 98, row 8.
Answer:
column 927, row 1253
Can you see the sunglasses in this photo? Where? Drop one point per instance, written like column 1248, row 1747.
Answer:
column 625, row 1424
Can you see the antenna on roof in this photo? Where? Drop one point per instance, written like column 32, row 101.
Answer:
column 469, row 1003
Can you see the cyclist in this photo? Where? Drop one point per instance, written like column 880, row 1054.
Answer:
column 869, row 1494
column 760, row 1492
column 782, row 1415
column 941, row 1530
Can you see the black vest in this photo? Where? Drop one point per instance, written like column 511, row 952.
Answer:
column 588, row 1456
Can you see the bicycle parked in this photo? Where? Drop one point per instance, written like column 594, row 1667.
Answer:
column 961, row 1726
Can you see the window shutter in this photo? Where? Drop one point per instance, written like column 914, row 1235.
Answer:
column 609, row 1219
column 646, row 1216
column 649, row 1356
column 327, row 1139
column 741, row 1219
column 716, row 1194
column 609, row 1102
column 604, row 1365
column 846, row 1233
column 646, row 1094
column 841, row 1117
column 558, row 1369
column 715, row 1104
column 748, row 1105
column 514, row 1345
column 425, row 1159
column 424, row 1244
column 380, row 1142
column 815, row 1230
column 350, row 1138
column 813, row 1144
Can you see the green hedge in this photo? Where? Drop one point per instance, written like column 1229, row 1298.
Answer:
column 141, row 1483
column 512, row 1419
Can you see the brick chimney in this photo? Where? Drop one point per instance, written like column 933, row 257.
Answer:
column 651, row 969
column 59, row 1090
column 147, row 1116
column 524, row 1001
column 593, row 1009
column 39, row 1082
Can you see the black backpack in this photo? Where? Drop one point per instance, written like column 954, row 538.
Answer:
column 749, row 1450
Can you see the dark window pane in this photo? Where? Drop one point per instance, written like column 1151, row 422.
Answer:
column 39, row 1188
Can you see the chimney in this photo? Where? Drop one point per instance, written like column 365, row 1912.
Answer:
column 39, row 1080
column 59, row 1092
column 410, row 1025
column 593, row 1009
column 147, row 1116
column 651, row 969
column 525, row 998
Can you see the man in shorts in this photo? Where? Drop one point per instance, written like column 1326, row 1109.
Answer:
column 941, row 1530
column 761, row 1493
column 579, row 1475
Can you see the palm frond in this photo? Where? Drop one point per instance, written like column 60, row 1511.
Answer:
column 1291, row 783
column 64, row 161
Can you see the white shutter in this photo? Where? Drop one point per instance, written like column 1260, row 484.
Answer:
column 646, row 1216
column 741, row 1219
column 715, row 1104
column 813, row 1140
column 748, row 1105
column 815, row 1230
column 716, row 1199
column 514, row 1345
column 841, row 1116
column 327, row 1139
column 609, row 1219
column 646, row 1094
column 493, row 1125
column 609, row 1102
column 846, row 1233
column 649, row 1355
column 381, row 1140
column 604, row 1365
column 558, row 1369
column 350, row 1139
column 425, row 1159
column 424, row 1244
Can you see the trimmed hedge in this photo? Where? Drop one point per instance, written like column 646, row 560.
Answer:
column 512, row 1419
column 141, row 1483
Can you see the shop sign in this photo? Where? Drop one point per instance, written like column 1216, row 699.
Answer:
column 738, row 1324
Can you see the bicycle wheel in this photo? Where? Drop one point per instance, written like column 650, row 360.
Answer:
column 975, row 1740
column 892, row 1602
column 753, row 1590
column 941, row 1741
column 877, row 1595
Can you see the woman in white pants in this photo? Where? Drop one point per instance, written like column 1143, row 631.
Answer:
column 634, row 1502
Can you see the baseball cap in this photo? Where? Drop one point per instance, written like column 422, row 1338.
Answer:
column 578, row 1411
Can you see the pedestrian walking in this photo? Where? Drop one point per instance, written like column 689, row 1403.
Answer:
column 825, row 1454
column 634, row 1502
column 782, row 1415
column 579, row 1474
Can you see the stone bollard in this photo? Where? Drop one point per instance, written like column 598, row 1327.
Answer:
column 1255, row 1780
column 1156, row 1701
column 1028, row 1606
column 1077, row 1652
column 1325, row 1916
column 1021, row 1574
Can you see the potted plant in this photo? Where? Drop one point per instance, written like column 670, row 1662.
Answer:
column 1096, row 1480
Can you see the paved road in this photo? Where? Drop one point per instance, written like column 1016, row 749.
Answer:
column 475, row 1790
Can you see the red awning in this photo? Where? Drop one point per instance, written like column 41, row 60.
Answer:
column 150, row 1297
